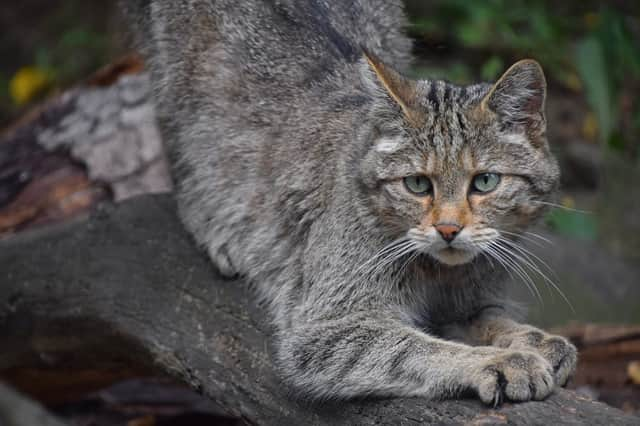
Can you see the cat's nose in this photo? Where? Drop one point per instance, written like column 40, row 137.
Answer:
column 448, row 231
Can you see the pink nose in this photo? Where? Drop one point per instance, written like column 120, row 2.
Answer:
column 448, row 231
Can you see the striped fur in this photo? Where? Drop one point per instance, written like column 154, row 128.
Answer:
column 289, row 146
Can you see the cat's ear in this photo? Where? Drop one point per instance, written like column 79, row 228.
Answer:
column 401, row 89
column 518, row 97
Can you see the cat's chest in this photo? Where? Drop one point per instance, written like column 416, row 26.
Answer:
column 433, row 305
column 435, row 297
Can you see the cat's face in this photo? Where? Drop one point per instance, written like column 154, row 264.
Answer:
column 469, row 170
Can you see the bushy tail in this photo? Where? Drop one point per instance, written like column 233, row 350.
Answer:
column 137, row 14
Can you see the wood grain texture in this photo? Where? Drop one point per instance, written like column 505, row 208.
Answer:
column 127, row 286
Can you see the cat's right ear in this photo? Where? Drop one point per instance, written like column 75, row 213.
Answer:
column 401, row 90
column 518, row 97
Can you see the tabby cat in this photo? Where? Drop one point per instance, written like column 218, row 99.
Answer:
column 374, row 214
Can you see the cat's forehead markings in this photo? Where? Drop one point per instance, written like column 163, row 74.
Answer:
column 514, row 138
column 388, row 144
column 439, row 145
column 430, row 165
column 466, row 159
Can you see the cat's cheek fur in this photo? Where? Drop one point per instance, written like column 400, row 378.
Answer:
column 510, row 207
column 399, row 209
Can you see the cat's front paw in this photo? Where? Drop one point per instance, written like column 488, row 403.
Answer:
column 561, row 354
column 513, row 375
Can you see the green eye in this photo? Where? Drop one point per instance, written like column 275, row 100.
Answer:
column 418, row 185
column 485, row 182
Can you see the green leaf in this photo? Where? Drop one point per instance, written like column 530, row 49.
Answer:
column 592, row 66
column 491, row 68
column 43, row 58
column 457, row 72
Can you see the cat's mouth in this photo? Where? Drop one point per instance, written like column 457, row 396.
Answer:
column 453, row 256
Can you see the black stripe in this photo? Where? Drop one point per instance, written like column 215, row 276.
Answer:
column 432, row 96
column 463, row 127
column 329, row 344
column 396, row 366
column 303, row 354
column 462, row 93
column 320, row 16
column 351, row 362
column 447, row 92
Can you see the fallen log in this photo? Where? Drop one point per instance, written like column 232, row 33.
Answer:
column 17, row 410
column 126, row 288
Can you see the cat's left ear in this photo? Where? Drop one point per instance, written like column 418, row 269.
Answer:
column 402, row 90
column 518, row 97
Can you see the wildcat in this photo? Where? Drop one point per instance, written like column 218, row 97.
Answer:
column 375, row 215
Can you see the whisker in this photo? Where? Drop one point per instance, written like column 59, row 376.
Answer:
column 511, row 258
column 489, row 252
column 489, row 259
column 385, row 250
column 525, row 252
column 523, row 236
column 410, row 259
column 540, row 237
column 508, row 266
column 526, row 259
column 560, row 206
column 390, row 258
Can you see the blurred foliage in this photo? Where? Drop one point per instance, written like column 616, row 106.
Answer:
column 76, row 52
column 565, row 219
column 27, row 83
column 572, row 223
column 49, row 45
column 584, row 46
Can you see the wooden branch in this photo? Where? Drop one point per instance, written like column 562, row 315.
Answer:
column 17, row 410
column 126, row 287
column 96, row 141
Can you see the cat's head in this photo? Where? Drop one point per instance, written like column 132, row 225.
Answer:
column 458, row 170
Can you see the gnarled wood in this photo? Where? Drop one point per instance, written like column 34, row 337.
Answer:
column 127, row 287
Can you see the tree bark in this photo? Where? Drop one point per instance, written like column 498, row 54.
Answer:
column 126, row 287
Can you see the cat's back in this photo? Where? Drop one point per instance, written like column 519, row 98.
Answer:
column 264, row 43
column 244, row 90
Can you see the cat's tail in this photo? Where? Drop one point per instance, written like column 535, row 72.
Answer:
column 137, row 14
column 155, row 26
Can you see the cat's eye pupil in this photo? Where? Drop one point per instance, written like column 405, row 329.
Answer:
column 418, row 185
column 485, row 182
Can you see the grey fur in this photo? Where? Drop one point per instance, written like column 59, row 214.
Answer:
column 288, row 149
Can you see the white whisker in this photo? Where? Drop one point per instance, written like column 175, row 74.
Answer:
column 511, row 258
column 560, row 206
column 508, row 266
column 385, row 250
column 526, row 252
column 524, row 256
column 398, row 252
column 540, row 237
column 522, row 236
